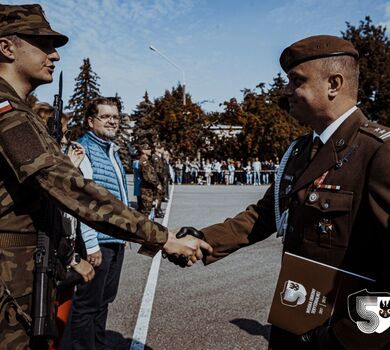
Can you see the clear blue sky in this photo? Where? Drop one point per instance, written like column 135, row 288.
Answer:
column 223, row 46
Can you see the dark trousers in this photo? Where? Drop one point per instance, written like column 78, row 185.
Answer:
column 87, row 324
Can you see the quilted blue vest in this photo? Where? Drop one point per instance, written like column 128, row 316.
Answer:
column 97, row 151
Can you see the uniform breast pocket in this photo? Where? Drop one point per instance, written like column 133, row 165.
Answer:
column 328, row 216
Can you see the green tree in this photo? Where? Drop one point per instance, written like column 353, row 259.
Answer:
column 183, row 128
column 144, row 130
column 374, row 82
column 87, row 88
column 267, row 128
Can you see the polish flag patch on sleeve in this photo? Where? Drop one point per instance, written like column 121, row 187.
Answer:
column 5, row 106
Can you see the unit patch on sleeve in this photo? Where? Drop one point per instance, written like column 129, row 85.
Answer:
column 5, row 106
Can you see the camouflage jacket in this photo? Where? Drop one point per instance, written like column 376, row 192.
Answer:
column 33, row 167
column 148, row 174
column 158, row 165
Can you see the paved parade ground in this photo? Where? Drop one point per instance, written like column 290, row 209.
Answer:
column 222, row 306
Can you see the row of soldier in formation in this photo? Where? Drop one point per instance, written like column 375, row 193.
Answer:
column 151, row 178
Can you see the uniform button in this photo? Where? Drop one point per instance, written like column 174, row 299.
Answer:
column 365, row 125
column 291, row 229
column 313, row 197
column 325, row 205
column 288, row 189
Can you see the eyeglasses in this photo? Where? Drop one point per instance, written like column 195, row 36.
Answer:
column 106, row 117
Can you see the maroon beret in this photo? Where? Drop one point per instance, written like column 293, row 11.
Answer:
column 314, row 47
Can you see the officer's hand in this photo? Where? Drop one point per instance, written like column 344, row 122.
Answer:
column 95, row 259
column 184, row 248
column 85, row 269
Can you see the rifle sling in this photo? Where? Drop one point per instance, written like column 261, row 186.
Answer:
column 8, row 240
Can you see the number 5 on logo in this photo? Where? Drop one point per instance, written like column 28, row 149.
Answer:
column 370, row 311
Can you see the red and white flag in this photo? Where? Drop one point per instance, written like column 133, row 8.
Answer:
column 5, row 106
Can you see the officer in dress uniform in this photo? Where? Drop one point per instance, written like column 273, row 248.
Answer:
column 331, row 200
column 33, row 171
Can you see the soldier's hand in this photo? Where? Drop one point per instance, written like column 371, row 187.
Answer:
column 184, row 248
column 95, row 259
column 85, row 269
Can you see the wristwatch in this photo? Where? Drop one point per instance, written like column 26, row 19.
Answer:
column 75, row 260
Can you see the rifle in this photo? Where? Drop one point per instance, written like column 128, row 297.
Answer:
column 45, row 272
column 58, row 104
column 44, row 310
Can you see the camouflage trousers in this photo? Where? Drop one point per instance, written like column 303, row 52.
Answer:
column 16, row 271
column 146, row 203
column 160, row 193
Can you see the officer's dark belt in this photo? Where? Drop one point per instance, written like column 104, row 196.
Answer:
column 9, row 240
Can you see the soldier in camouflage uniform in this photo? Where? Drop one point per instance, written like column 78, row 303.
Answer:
column 158, row 165
column 149, row 180
column 34, row 170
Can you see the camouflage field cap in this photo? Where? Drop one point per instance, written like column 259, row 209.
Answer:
column 27, row 20
column 314, row 47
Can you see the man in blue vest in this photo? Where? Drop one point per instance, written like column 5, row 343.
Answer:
column 105, row 253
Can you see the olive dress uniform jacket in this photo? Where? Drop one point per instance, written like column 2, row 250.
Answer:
column 357, row 158
column 32, row 168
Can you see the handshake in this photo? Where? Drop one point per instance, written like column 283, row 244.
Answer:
column 185, row 247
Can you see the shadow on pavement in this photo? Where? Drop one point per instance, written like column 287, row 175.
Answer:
column 116, row 341
column 253, row 327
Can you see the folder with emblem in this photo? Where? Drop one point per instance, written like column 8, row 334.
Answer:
column 309, row 293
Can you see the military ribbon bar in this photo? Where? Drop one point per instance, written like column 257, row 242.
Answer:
column 319, row 183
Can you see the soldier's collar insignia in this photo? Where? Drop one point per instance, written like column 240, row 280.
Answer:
column 5, row 106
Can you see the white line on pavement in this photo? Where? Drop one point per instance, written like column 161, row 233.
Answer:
column 142, row 325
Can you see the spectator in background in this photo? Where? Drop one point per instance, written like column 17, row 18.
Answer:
column 231, row 171
column 187, row 171
column 102, row 164
column 248, row 173
column 217, row 171
column 265, row 173
column 208, row 172
column 239, row 173
column 194, row 170
column 179, row 171
column 256, row 171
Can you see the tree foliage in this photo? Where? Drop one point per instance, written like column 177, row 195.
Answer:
column 182, row 128
column 267, row 128
column 86, row 88
column 374, row 82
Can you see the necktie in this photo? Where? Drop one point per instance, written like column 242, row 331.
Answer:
column 317, row 143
